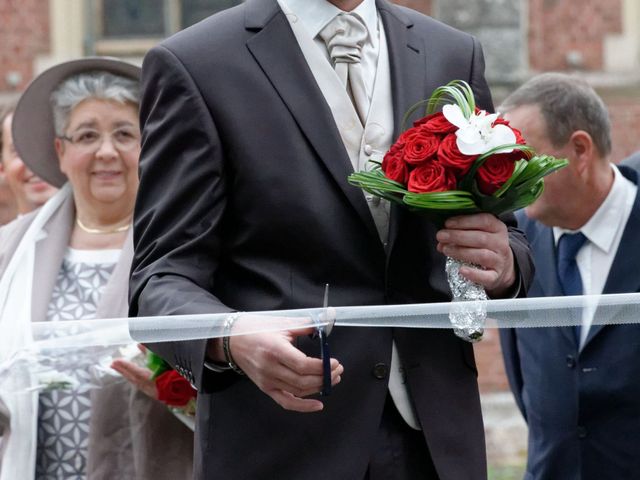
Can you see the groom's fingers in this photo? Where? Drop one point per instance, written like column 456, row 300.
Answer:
column 482, row 240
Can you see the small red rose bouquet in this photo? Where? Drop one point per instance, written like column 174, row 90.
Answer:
column 172, row 388
column 456, row 161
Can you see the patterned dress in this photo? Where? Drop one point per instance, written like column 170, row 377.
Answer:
column 63, row 414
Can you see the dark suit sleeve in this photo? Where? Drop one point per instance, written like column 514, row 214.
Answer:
column 477, row 81
column 509, row 345
column 179, row 209
column 523, row 260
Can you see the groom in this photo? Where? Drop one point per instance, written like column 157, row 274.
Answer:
column 253, row 119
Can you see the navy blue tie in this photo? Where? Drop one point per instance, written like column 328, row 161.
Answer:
column 568, row 272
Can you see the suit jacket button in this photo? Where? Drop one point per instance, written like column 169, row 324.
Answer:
column 582, row 431
column 380, row 371
column 571, row 361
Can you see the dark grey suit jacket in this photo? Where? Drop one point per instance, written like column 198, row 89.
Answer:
column 244, row 204
column 581, row 406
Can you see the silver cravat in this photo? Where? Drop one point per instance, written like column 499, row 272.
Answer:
column 345, row 36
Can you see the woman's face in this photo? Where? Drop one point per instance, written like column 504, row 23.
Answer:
column 29, row 191
column 99, row 153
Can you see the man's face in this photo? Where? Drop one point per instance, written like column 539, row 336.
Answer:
column 29, row 190
column 556, row 202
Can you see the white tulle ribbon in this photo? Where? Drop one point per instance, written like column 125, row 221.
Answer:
column 505, row 313
column 99, row 341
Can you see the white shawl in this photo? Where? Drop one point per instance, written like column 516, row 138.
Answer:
column 16, row 288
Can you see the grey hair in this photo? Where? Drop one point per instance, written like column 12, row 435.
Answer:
column 98, row 85
column 568, row 104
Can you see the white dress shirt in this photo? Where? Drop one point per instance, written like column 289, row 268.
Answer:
column 604, row 232
column 316, row 14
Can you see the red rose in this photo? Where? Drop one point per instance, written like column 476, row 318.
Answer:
column 419, row 145
column 436, row 123
column 394, row 166
column 519, row 138
column 173, row 389
column 494, row 172
column 451, row 157
column 431, row 177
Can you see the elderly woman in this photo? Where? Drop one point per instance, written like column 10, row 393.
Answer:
column 77, row 127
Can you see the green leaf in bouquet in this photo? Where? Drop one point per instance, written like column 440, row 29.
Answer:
column 439, row 206
column 156, row 364
column 459, row 92
column 537, row 168
column 499, row 205
column 411, row 111
column 376, row 183
column 525, row 198
column 522, row 189
column 449, row 201
column 468, row 180
column 519, row 168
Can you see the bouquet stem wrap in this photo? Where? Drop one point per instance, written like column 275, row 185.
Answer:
column 467, row 318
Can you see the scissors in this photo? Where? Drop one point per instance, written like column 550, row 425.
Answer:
column 325, row 354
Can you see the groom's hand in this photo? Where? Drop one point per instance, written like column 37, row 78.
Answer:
column 480, row 239
column 279, row 369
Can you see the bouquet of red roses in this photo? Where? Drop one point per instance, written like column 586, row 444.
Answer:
column 459, row 160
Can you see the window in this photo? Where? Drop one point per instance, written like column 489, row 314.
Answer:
column 130, row 27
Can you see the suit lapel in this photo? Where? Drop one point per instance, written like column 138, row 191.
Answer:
column 409, row 80
column 546, row 277
column 547, row 283
column 623, row 276
column 275, row 49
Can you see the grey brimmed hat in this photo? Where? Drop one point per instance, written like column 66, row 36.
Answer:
column 33, row 128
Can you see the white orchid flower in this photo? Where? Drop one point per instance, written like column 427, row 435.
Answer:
column 476, row 135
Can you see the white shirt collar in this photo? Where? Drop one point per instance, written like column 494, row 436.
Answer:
column 602, row 226
column 315, row 14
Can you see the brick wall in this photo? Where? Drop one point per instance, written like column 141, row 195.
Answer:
column 557, row 27
column 423, row 6
column 625, row 121
column 24, row 33
column 491, row 375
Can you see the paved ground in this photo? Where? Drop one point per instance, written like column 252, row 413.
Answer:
column 506, row 436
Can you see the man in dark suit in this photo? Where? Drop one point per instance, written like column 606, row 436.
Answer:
column 578, row 388
column 244, row 204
